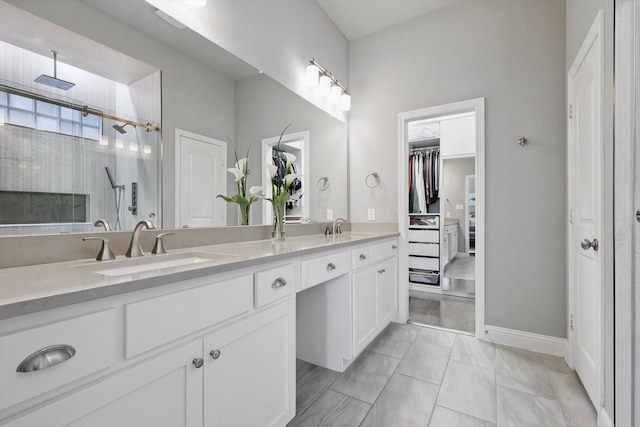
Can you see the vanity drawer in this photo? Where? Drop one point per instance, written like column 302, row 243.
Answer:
column 91, row 339
column 383, row 250
column 320, row 269
column 275, row 283
column 359, row 257
column 424, row 249
column 157, row 321
column 424, row 236
column 422, row 263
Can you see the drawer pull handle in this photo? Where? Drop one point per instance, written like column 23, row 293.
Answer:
column 278, row 283
column 198, row 362
column 331, row 266
column 381, row 271
column 363, row 257
column 215, row 354
column 47, row 357
column 394, row 247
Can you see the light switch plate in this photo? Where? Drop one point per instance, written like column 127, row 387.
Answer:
column 371, row 214
column 329, row 214
column 459, row 207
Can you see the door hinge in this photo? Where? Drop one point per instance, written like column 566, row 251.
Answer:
column 571, row 322
column 570, row 111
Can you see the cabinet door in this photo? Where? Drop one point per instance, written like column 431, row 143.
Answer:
column 387, row 291
column 249, row 372
column 365, row 307
column 164, row 391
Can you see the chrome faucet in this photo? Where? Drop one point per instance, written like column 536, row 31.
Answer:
column 135, row 249
column 103, row 223
column 335, row 228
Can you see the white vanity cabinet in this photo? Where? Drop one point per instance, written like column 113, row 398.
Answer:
column 375, row 291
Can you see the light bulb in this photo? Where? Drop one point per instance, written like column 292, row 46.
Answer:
column 119, row 143
column 133, row 147
column 313, row 72
column 324, row 87
column 336, row 93
column 104, row 141
column 345, row 102
column 146, row 149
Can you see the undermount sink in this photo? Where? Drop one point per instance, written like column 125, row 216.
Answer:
column 151, row 263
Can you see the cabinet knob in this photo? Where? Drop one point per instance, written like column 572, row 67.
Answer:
column 363, row 257
column 198, row 362
column 278, row 283
column 394, row 247
column 331, row 266
column 215, row 354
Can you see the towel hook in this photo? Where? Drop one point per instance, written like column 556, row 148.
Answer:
column 522, row 141
column 376, row 180
column 323, row 183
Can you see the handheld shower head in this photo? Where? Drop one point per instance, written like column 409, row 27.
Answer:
column 111, row 180
column 120, row 128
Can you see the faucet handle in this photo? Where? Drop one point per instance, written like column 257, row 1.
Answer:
column 159, row 247
column 105, row 253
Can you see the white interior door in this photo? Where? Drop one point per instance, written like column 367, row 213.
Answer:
column 585, row 192
column 201, row 174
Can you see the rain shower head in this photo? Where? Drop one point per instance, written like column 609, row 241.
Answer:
column 120, row 128
column 54, row 81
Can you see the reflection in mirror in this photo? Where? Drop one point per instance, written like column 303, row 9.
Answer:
column 66, row 166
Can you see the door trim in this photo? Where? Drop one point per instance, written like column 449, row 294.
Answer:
column 476, row 105
column 178, row 193
column 596, row 32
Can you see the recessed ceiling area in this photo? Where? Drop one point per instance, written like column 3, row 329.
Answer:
column 358, row 18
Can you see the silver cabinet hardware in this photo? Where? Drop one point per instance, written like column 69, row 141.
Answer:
column 638, row 215
column 198, row 362
column 105, row 253
column 381, row 271
column 394, row 247
column 215, row 354
column 363, row 257
column 278, row 283
column 331, row 266
column 587, row 244
column 159, row 247
column 46, row 357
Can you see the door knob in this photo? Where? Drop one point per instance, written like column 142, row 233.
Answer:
column 587, row 244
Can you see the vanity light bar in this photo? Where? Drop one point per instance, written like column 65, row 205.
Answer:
column 328, row 85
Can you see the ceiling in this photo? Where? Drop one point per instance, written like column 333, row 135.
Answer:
column 358, row 18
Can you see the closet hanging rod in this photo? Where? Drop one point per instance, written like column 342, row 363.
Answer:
column 424, row 149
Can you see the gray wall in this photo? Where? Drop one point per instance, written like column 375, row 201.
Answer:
column 452, row 193
column 580, row 17
column 263, row 108
column 512, row 53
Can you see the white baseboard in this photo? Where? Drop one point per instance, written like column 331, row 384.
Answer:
column 527, row 340
column 604, row 420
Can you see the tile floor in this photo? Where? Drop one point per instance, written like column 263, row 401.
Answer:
column 413, row 376
column 445, row 311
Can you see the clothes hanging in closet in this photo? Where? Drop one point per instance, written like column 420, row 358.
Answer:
column 424, row 176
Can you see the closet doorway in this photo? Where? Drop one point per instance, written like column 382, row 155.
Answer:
column 441, row 216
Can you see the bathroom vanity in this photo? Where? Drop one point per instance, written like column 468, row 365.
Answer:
column 204, row 336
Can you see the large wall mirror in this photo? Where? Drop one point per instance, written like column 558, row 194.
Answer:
column 62, row 170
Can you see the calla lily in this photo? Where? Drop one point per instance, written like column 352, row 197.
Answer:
column 237, row 173
column 256, row 190
column 296, row 196
column 288, row 179
column 272, row 169
column 242, row 164
column 290, row 158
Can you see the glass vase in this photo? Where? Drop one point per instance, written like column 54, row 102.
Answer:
column 245, row 211
column 277, row 233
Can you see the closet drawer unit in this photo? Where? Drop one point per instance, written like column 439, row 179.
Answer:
column 321, row 269
column 160, row 320
column 423, row 236
column 275, row 283
column 424, row 249
column 383, row 250
column 422, row 263
column 359, row 257
column 80, row 346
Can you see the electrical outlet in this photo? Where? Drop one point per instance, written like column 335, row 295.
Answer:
column 459, row 207
column 371, row 214
column 329, row 214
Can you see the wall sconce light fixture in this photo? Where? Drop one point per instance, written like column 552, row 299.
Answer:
column 328, row 85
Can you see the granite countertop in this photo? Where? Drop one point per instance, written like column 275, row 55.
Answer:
column 41, row 287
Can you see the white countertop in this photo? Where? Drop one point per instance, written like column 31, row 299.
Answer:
column 30, row 289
